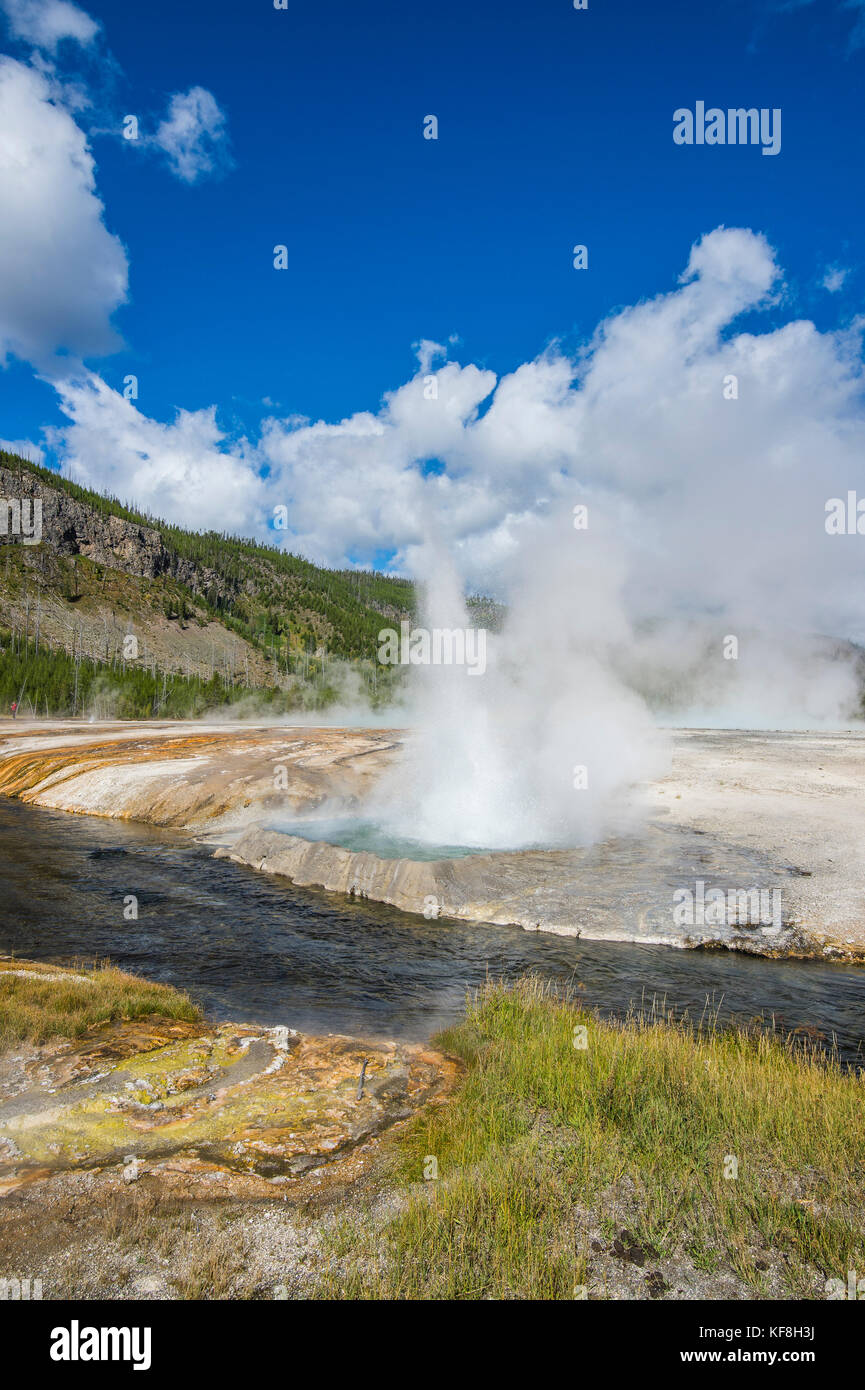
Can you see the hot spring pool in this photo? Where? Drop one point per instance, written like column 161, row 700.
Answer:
column 360, row 835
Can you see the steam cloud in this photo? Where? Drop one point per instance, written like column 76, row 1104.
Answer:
column 705, row 522
column 542, row 749
column 706, row 519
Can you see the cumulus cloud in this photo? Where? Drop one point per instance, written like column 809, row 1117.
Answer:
column 193, row 135
column 705, row 455
column 183, row 471
column 45, row 23
column 62, row 273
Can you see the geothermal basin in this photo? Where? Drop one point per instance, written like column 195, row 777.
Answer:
column 779, row 813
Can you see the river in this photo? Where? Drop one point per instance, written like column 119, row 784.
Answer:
column 249, row 948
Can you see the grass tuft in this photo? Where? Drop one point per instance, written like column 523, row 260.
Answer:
column 545, row 1142
column 67, row 1003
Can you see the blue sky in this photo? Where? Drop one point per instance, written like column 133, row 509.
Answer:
column 430, row 363
column 555, row 128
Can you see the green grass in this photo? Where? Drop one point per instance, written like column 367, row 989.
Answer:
column 543, row 1141
column 35, row 1010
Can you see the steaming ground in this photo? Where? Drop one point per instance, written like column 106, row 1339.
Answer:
column 736, row 809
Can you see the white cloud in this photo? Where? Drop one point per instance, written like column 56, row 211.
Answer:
column 193, row 135
column 46, row 22
column 698, row 503
column 428, row 352
column 24, row 448
column 834, row 278
column 182, row 471
column 62, row 273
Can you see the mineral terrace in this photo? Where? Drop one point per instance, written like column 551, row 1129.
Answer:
column 203, row 1106
column 782, row 811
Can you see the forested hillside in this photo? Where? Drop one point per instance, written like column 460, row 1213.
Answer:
column 213, row 617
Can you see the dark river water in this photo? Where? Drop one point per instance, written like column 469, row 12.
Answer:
column 250, row 948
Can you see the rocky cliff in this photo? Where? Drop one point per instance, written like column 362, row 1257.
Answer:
column 71, row 527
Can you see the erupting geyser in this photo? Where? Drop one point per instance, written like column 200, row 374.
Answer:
column 545, row 746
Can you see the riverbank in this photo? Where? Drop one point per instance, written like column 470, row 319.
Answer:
column 581, row 1158
column 780, row 812
column 555, row 1155
column 40, row 1003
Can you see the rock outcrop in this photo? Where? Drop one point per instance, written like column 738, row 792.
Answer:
column 69, row 527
